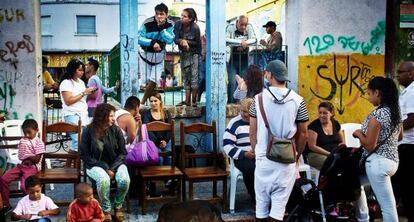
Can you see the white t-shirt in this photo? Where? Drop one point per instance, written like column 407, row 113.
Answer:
column 27, row 206
column 282, row 117
column 79, row 108
column 407, row 106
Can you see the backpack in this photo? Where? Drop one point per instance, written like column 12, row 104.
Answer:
column 143, row 153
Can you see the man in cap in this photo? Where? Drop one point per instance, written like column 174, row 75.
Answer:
column 286, row 116
column 274, row 41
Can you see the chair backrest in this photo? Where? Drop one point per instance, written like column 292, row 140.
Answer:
column 348, row 129
column 1, row 129
column 13, row 127
column 157, row 126
column 61, row 127
column 8, row 144
column 192, row 129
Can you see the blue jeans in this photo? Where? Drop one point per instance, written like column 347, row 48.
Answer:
column 165, row 160
column 379, row 171
column 73, row 119
column 45, row 219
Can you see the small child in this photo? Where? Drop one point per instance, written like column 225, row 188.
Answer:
column 35, row 206
column 30, row 153
column 84, row 207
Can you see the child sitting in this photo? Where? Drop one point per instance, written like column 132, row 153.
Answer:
column 84, row 207
column 35, row 206
column 30, row 153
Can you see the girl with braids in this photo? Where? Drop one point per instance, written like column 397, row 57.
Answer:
column 103, row 152
column 188, row 39
column 379, row 136
column 324, row 135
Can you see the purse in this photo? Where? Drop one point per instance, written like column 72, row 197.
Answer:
column 143, row 153
column 278, row 150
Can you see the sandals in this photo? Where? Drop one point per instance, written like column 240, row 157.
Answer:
column 107, row 217
column 119, row 215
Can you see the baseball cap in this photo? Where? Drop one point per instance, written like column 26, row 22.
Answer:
column 270, row 23
column 278, row 70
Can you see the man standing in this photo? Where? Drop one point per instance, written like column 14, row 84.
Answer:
column 274, row 41
column 94, row 99
column 155, row 33
column 238, row 36
column 401, row 187
column 286, row 116
column 236, row 144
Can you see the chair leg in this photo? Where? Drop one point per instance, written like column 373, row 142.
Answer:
column 233, row 187
column 225, row 205
column 179, row 197
column 214, row 188
column 128, row 203
column 183, row 190
column 190, row 190
column 143, row 196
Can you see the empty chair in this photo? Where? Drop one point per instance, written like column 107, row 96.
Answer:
column 348, row 129
column 13, row 128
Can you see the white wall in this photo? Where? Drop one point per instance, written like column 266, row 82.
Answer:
column 63, row 27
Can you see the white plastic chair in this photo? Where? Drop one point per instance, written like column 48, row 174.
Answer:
column 303, row 167
column 348, row 129
column 13, row 128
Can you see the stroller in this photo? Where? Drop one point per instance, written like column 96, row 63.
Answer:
column 338, row 186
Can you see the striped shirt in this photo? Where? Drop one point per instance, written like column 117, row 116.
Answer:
column 29, row 148
column 236, row 139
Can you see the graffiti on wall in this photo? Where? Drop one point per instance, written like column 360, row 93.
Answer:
column 341, row 79
column 322, row 44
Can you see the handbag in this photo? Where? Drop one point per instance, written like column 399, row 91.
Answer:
column 143, row 153
column 278, row 150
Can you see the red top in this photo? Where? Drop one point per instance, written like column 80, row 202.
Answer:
column 78, row 212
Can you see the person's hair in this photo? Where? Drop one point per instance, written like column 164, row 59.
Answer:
column 329, row 107
column 94, row 62
column 44, row 59
column 30, row 124
column 32, row 181
column 82, row 188
column 243, row 17
column 71, row 68
column 253, row 80
column 191, row 14
column 131, row 103
column 161, row 8
column 100, row 119
column 161, row 108
column 246, row 102
column 389, row 97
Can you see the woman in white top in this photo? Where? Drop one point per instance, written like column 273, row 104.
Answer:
column 73, row 91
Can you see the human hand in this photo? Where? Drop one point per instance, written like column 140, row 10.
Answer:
column 243, row 44
column 357, row 133
column 89, row 90
column 2, row 117
column 157, row 47
column 43, row 213
column 111, row 174
column 117, row 84
column 263, row 42
column 137, row 117
column 163, row 144
column 25, row 217
column 56, row 85
column 185, row 45
column 249, row 155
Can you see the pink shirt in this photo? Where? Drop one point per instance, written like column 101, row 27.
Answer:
column 27, row 206
column 31, row 147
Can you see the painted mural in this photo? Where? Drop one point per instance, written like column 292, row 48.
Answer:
column 337, row 68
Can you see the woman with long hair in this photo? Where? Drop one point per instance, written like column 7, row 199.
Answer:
column 188, row 39
column 379, row 138
column 324, row 134
column 73, row 95
column 158, row 113
column 103, row 153
column 251, row 86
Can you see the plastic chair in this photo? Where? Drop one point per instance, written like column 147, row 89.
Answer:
column 13, row 128
column 348, row 129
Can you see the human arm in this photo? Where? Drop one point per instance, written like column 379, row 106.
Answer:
column 51, row 212
column 312, row 138
column 120, row 149
column 131, row 128
column 86, row 151
column 369, row 141
column 99, row 215
column 301, row 135
column 408, row 123
column 16, row 217
column 142, row 39
column 167, row 34
column 67, row 95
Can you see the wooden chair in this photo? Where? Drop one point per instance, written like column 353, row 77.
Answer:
column 8, row 143
column 69, row 174
column 160, row 173
column 212, row 172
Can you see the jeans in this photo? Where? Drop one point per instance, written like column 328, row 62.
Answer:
column 103, row 183
column 73, row 119
column 379, row 171
column 165, row 160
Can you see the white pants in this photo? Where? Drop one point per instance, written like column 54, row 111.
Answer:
column 273, row 183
